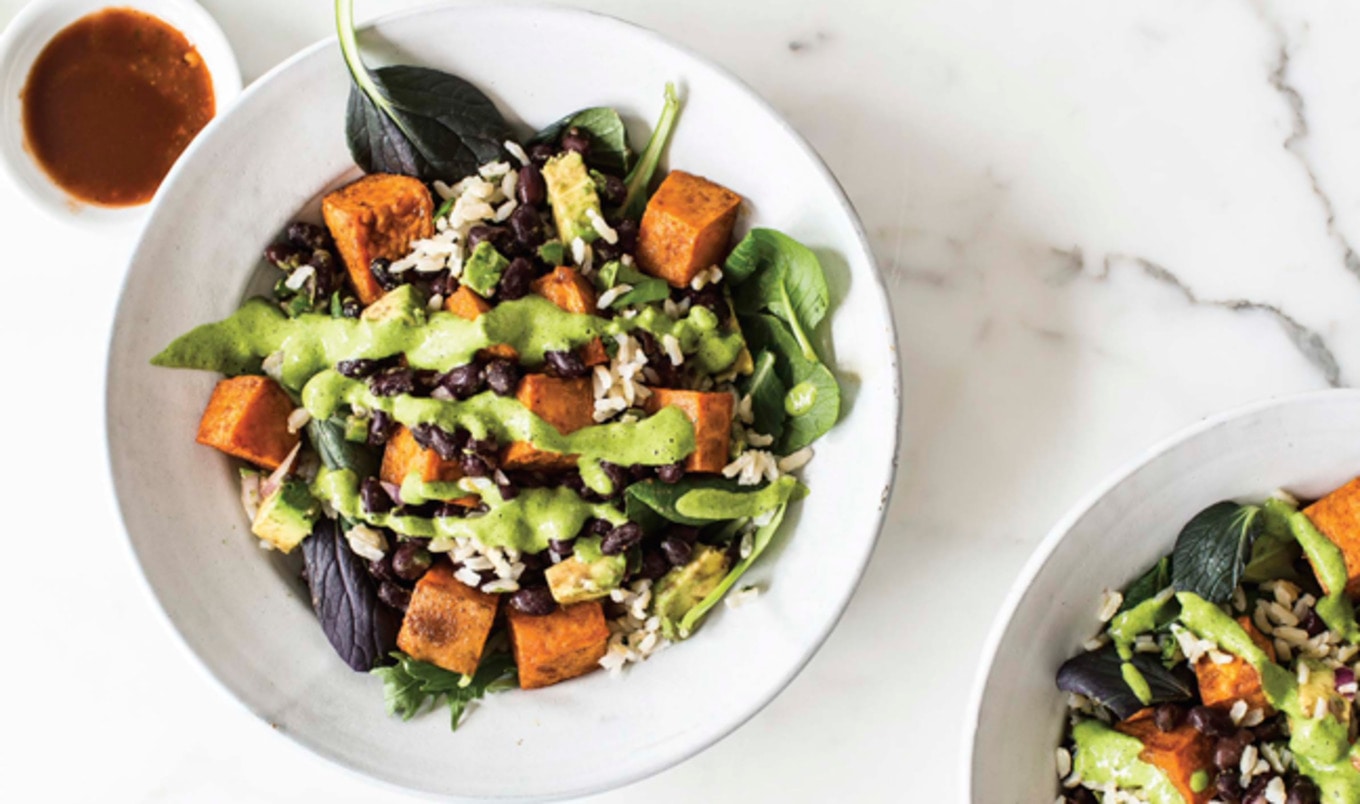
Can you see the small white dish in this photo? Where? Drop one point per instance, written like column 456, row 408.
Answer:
column 1305, row 444
column 24, row 39
column 243, row 612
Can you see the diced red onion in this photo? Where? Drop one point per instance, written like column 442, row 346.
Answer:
column 393, row 491
column 275, row 479
column 1345, row 683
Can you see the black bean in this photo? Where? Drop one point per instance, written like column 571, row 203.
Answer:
column 561, row 547
column 1227, row 788
column 485, row 447
column 1272, row 729
column 392, row 382
column 654, row 565
column 502, row 377
column 451, row 510
column 1211, row 722
column 1256, row 794
column 627, row 230
column 395, row 596
column 374, row 497
column 449, row 446
column 309, row 235
column 410, row 561
column 639, row 472
column 540, row 153
column 382, row 569
column 537, row 600
column 516, row 280
column 621, row 538
column 527, row 227
column 1081, row 795
column 498, row 236
column 612, row 190
column 1169, row 716
column 285, row 256
column 382, row 274
column 535, row 561
column 711, row 297
column 605, row 251
column 357, row 369
column 671, row 472
column 322, row 261
column 380, row 428
column 474, row 465
column 566, row 364
column 531, row 189
column 677, row 551
column 687, row 533
column 574, row 139
column 463, row 381
column 598, row 527
column 1303, row 791
column 508, row 490
column 1228, row 750
column 1312, row 623
column 617, row 475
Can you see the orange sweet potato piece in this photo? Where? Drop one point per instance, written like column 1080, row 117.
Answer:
column 1338, row 517
column 403, row 455
column 572, row 292
column 377, row 216
column 447, row 622
column 1223, row 685
column 686, row 227
column 1179, row 753
column 464, row 303
column 566, row 404
column 247, row 417
column 711, row 414
column 558, row 646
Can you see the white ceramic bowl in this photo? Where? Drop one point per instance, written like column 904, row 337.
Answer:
column 1308, row 444
column 243, row 612
column 26, row 36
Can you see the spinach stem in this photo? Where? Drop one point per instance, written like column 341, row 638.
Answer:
column 641, row 175
column 349, row 48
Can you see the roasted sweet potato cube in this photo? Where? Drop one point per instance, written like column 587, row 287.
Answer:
column 403, row 455
column 594, row 353
column 464, row 303
column 1223, row 685
column 447, row 622
column 1338, row 517
column 1179, row 753
column 686, row 227
column 572, row 292
column 711, row 414
column 378, row 216
column 558, row 646
column 566, row 404
column 247, row 417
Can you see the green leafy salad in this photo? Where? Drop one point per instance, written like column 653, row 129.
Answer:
column 1227, row 672
column 527, row 406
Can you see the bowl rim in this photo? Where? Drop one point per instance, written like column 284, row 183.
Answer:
column 202, row 31
column 843, row 203
column 1055, row 536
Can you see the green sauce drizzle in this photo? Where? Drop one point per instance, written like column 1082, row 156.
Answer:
column 1105, row 756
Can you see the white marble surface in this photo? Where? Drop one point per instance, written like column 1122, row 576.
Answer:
column 1099, row 222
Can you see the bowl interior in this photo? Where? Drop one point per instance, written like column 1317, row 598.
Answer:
column 1303, row 444
column 243, row 612
column 25, row 38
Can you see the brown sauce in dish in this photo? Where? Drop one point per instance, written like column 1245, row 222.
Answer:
column 110, row 104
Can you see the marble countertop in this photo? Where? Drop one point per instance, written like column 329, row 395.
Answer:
column 1099, row 223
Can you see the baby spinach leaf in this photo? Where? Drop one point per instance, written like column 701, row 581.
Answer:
column 645, row 288
column 1276, row 551
column 409, row 684
column 608, row 137
column 767, row 394
column 360, row 628
column 337, row 451
column 775, row 273
column 639, row 179
column 660, row 498
column 1213, row 550
column 414, row 120
column 1099, row 675
column 819, row 397
column 1147, row 586
column 698, row 501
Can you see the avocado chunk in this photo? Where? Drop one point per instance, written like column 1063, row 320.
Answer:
column 685, row 587
column 1321, row 686
column 483, row 269
column 588, row 574
column 287, row 515
column 405, row 303
column 571, row 192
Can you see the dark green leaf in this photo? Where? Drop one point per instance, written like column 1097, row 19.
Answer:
column 820, row 396
column 775, row 273
column 410, row 684
column 337, row 452
column 1213, row 550
column 1276, row 552
column 660, row 498
column 1147, row 587
column 608, row 137
column 1099, row 676
column 496, row 673
column 414, row 120
column 639, row 179
column 646, row 289
column 767, row 395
